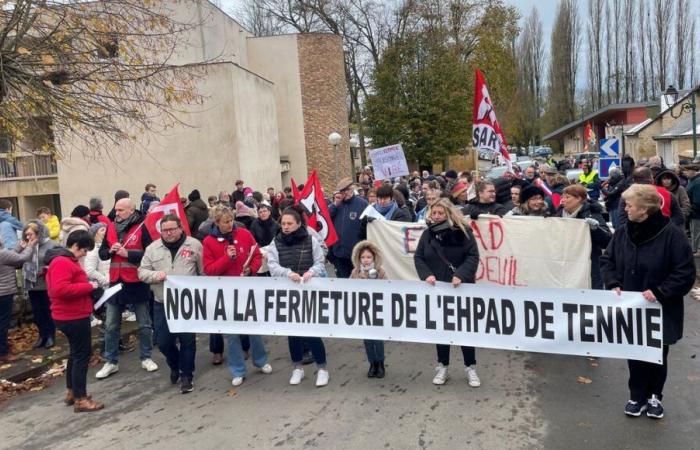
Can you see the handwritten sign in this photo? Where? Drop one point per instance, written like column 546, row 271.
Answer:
column 388, row 162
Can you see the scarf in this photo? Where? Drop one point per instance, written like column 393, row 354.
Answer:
column 218, row 234
column 388, row 210
column 573, row 215
column 174, row 246
column 30, row 269
column 124, row 225
column 295, row 237
column 642, row 232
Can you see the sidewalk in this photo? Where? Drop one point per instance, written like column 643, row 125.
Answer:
column 33, row 363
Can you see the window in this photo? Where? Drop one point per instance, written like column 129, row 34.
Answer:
column 5, row 144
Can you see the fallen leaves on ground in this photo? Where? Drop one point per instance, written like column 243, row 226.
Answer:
column 8, row 389
column 37, row 360
column 22, row 339
column 5, row 366
column 94, row 360
column 231, row 392
column 583, row 380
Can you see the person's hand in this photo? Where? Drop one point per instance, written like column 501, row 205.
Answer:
column 617, row 291
column 295, row 277
column 337, row 199
column 33, row 241
column 307, row 276
column 474, row 215
column 371, row 219
column 115, row 248
column 122, row 252
column 649, row 296
column 231, row 251
column 246, row 271
column 592, row 223
column 456, row 281
column 161, row 276
column 94, row 285
column 431, row 280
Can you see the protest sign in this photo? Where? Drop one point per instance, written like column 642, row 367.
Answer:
column 563, row 321
column 510, row 252
column 388, row 162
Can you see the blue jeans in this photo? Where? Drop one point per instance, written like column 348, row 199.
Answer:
column 374, row 350
column 5, row 318
column 236, row 358
column 178, row 359
column 114, row 326
column 296, row 349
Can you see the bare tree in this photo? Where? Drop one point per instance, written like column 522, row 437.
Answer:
column 630, row 38
column 617, row 10
column 642, row 47
column 683, row 16
column 595, row 40
column 563, row 63
column 608, row 50
column 651, row 49
column 663, row 14
column 692, row 47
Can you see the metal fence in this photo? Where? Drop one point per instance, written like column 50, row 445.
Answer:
column 29, row 166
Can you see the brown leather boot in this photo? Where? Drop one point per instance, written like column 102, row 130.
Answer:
column 70, row 398
column 86, row 404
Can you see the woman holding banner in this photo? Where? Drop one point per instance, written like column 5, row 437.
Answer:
column 652, row 256
column 447, row 252
column 296, row 255
column 232, row 251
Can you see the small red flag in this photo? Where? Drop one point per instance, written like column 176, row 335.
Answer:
column 486, row 131
column 170, row 204
column 317, row 215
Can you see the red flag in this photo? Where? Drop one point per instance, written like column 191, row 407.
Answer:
column 589, row 138
column 170, row 204
column 486, row 131
column 295, row 191
column 540, row 184
column 317, row 215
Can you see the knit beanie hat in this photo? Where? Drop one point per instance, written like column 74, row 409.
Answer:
column 94, row 228
column 80, row 211
column 529, row 192
column 194, row 195
column 242, row 210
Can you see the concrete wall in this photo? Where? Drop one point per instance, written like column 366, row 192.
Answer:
column 233, row 134
column 276, row 58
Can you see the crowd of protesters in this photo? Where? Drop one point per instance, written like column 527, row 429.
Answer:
column 66, row 264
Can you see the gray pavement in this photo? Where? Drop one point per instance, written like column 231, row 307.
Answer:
column 526, row 401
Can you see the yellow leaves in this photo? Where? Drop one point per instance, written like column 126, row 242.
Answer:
column 583, row 380
column 48, row 83
column 23, row 51
column 112, row 86
column 48, row 60
column 231, row 392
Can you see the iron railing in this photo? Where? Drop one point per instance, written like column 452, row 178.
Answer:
column 27, row 166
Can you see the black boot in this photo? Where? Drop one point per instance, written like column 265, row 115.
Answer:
column 372, row 372
column 380, row 369
column 39, row 342
column 49, row 342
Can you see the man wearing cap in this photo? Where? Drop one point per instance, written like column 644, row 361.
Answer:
column 548, row 173
column 345, row 213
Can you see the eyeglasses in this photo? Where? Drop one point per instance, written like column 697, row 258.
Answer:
column 168, row 230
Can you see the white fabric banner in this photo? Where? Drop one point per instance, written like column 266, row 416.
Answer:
column 513, row 251
column 564, row 321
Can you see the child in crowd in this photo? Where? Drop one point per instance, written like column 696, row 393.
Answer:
column 367, row 262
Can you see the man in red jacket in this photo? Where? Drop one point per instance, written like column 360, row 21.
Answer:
column 124, row 243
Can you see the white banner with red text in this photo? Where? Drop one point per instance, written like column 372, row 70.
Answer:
column 563, row 321
column 513, row 250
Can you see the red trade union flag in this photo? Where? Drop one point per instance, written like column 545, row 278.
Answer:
column 486, row 131
column 170, row 204
column 316, row 209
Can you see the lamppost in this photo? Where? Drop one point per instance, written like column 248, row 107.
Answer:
column 671, row 96
column 354, row 145
column 334, row 139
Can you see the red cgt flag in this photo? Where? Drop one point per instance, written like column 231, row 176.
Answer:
column 317, row 215
column 486, row 131
column 170, row 204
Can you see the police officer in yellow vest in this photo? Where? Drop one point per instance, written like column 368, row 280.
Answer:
column 589, row 178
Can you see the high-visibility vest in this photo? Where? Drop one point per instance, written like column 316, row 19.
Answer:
column 120, row 267
column 587, row 179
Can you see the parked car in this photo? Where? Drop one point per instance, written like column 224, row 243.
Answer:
column 543, row 152
column 587, row 156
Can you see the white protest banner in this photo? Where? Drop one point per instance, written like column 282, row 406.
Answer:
column 564, row 321
column 513, row 251
column 388, row 162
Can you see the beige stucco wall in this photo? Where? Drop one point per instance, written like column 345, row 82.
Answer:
column 233, row 134
column 277, row 59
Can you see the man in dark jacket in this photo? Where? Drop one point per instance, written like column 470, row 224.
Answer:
column 149, row 196
column 345, row 213
column 238, row 194
column 612, row 190
column 196, row 211
column 486, row 202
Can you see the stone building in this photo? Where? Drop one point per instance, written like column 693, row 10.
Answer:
column 269, row 105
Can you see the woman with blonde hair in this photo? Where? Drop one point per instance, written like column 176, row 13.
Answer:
column 652, row 256
column 448, row 252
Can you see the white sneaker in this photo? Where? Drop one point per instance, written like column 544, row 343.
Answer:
column 297, row 376
column 266, row 368
column 237, row 381
column 322, row 378
column 107, row 370
column 149, row 365
column 472, row 377
column 441, row 375
column 129, row 316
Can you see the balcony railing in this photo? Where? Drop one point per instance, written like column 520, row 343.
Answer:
column 27, row 166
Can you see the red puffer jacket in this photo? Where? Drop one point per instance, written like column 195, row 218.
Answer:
column 217, row 263
column 68, row 287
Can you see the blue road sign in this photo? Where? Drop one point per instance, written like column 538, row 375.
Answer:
column 609, row 148
column 606, row 164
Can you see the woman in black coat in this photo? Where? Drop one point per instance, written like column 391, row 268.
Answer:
column 652, row 256
column 575, row 205
column 447, row 252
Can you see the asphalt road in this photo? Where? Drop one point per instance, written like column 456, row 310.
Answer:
column 526, row 401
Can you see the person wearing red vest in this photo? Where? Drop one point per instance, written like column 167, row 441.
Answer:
column 124, row 243
column 669, row 205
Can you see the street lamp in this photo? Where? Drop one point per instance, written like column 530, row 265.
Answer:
column 671, row 97
column 334, row 139
column 354, row 144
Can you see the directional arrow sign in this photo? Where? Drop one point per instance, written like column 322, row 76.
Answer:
column 609, row 148
column 606, row 165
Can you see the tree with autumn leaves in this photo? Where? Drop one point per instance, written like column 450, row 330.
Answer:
column 99, row 73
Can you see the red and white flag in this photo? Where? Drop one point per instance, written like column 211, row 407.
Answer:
column 170, row 204
column 486, row 131
column 317, row 215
